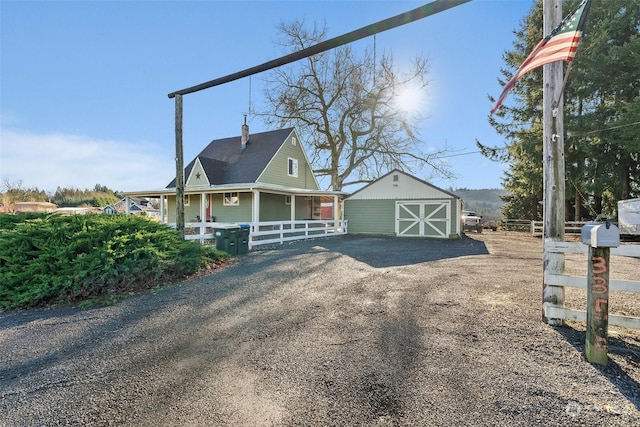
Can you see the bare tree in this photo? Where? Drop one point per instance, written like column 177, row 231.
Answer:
column 11, row 192
column 346, row 110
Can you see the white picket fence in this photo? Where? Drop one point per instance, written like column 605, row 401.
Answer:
column 554, row 312
column 268, row 232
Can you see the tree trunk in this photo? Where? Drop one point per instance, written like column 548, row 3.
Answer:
column 597, row 204
column 626, row 183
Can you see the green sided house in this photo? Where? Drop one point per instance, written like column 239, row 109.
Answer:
column 264, row 177
column 402, row 205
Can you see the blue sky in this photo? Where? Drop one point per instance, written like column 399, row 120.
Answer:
column 83, row 90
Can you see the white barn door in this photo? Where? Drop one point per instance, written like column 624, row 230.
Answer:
column 423, row 218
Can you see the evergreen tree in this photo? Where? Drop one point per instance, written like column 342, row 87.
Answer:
column 521, row 126
column 602, row 115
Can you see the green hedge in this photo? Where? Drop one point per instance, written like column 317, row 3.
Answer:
column 53, row 259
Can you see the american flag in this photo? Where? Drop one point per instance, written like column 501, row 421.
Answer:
column 560, row 45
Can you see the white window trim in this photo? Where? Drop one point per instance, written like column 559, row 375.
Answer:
column 187, row 200
column 287, row 200
column 231, row 203
column 291, row 161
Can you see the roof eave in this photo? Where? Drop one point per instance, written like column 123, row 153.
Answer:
column 240, row 187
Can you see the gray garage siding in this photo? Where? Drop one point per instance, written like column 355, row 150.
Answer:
column 371, row 216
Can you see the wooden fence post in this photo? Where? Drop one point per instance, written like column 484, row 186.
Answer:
column 597, row 305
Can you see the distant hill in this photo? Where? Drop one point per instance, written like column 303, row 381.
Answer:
column 485, row 202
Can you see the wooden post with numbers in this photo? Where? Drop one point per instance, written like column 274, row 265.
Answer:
column 597, row 305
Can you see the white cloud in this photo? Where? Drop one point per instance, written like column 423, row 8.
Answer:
column 47, row 161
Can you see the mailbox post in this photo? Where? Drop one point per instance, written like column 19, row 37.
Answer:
column 600, row 237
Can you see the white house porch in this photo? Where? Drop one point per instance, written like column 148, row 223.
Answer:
column 275, row 214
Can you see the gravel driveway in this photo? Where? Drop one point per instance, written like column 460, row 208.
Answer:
column 361, row 331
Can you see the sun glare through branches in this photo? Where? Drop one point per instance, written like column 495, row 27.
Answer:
column 410, row 98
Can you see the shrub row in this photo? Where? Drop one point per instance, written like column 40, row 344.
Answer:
column 53, row 259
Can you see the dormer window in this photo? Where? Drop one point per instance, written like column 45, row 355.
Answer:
column 292, row 167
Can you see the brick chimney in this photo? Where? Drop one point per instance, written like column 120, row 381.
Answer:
column 244, row 138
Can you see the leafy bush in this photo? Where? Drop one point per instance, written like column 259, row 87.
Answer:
column 53, row 259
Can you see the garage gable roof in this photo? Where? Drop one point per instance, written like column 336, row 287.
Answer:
column 400, row 185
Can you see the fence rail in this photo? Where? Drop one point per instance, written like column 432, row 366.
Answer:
column 278, row 232
column 269, row 232
column 555, row 312
column 571, row 228
column 515, row 224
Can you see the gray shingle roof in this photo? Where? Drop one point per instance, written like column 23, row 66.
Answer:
column 225, row 162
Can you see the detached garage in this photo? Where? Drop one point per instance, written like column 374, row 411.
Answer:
column 402, row 205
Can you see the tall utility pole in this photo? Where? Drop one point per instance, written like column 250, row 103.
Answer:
column 553, row 160
column 179, row 168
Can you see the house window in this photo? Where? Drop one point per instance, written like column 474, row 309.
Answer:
column 294, row 141
column 187, row 200
column 293, row 167
column 395, row 178
column 287, row 200
column 231, row 199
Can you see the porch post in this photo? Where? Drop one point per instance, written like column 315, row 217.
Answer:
column 255, row 215
column 127, row 207
column 162, row 209
column 203, row 211
column 293, row 207
column 336, row 213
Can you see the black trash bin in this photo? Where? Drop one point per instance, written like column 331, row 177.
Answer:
column 227, row 238
column 243, row 239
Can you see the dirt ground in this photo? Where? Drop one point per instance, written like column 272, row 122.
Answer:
column 358, row 331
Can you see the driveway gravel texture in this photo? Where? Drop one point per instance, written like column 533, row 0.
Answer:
column 344, row 331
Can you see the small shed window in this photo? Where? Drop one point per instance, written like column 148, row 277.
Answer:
column 292, row 167
column 231, row 199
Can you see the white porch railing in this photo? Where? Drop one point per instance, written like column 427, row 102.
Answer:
column 202, row 231
column 278, row 232
column 268, row 232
